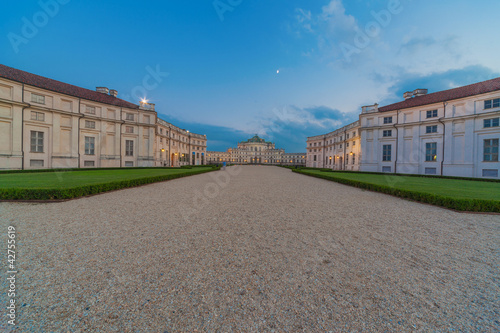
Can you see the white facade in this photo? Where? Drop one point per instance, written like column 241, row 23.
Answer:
column 451, row 138
column 257, row 151
column 451, row 133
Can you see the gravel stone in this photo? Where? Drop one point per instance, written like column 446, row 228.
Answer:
column 261, row 251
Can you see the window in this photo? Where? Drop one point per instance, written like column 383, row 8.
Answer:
column 36, row 163
column 129, row 148
column 129, row 116
column 89, row 124
column 146, row 119
column 129, row 129
column 161, row 130
column 353, row 134
column 314, row 158
column 40, row 116
column 490, row 173
column 89, row 145
column 432, row 114
column 347, row 144
column 492, row 103
column 431, row 151
column 431, row 129
column 386, row 169
column 387, row 120
column 490, row 150
column 387, row 133
column 90, row 109
column 340, row 146
column 129, row 164
column 347, row 136
column 430, row 171
column 38, row 99
column 88, row 163
column 386, row 153
column 353, row 158
column 494, row 122
column 36, row 142
column 354, row 143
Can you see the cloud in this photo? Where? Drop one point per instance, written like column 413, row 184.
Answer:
column 303, row 18
column 290, row 125
column 331, row 22
column 332, row 27
column 219, row 138
column 406, row 81
column 336, row 19
column 426, row 54
column 417, row 44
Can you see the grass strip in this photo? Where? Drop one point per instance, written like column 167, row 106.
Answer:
column 423, row 195
column 47, row 194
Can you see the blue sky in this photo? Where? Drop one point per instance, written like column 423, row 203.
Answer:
column 222, row 57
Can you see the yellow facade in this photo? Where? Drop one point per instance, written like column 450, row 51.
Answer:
column 45, row 128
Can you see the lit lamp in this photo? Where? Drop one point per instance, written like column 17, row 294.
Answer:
column 162, row 150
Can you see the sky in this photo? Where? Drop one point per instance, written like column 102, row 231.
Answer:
column 230, row 69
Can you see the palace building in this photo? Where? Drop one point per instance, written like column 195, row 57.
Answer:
column 454, row 132
column 337, row 150
column 256, row 151
column 46, row 123
column 178, row 147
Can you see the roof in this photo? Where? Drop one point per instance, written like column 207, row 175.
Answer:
column 345, row 128
column 61, row 87
column 255, row 138
column 445, row 95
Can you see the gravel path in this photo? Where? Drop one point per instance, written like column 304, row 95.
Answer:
column 261, row 250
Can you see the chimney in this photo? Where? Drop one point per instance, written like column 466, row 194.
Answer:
column 102, row 90
column 408, row 95
column 370, row 108
column 146, row 106
column 113, row 93
column 419, row 92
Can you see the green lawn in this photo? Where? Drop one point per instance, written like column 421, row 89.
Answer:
column 71, row 179
column 454, row 188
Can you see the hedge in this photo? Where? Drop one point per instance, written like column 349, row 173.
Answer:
column 470, row 205
column 80, row 191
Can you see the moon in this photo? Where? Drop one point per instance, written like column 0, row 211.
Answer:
column 278, row 71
